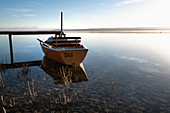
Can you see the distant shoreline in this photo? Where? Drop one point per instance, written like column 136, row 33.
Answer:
column 120, row 30
column 97, row 30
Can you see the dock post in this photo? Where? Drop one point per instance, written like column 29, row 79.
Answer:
column 11, row 48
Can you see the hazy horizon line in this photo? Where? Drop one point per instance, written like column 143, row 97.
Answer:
column 82, row 29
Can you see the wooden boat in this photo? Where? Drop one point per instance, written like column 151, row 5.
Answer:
column 64, row 50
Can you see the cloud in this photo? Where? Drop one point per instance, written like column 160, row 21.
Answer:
column 14, row 15
column 21, row 10
column 8, row 28
column 28, row 15
column 102, row 4
column 30, row 46
column 126, row 2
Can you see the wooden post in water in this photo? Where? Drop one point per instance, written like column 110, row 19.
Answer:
column 11, row 48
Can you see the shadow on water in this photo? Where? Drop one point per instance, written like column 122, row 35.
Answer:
column 54, row 70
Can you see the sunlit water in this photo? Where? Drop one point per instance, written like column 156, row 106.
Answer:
column 126, row 73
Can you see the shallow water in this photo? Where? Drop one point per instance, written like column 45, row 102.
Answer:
column 126, row 73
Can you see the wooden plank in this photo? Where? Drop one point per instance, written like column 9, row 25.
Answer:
column 30, row 32
column 64, row 41
column 69, row 37
column 20, row 64
column 62, row 45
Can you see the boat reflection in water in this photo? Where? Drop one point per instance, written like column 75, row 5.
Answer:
column 55, row 70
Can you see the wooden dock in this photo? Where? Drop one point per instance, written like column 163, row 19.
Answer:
column 29, row 32
column 10, row 33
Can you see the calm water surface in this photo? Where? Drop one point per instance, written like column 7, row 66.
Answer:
column 127, row 73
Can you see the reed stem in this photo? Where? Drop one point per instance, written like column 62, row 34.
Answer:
column 2, row 98
column 4, row 110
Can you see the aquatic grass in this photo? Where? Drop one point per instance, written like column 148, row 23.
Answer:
column 106, row 110
column 30, row 93
column 18, row 75
column 64, row 96
column 33, row 94
column 66, row 76
column 76, row 97
column 112, row 82
column 50, row 100
column 4, row 109
column 12, row 102
column 65, row 99
column 60, row 98
column 25, row 68
column 1, row 81
column 56, row 101
column 68, row 99
column 2, row 99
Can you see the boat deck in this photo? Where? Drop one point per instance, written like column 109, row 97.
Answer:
column 64, row 42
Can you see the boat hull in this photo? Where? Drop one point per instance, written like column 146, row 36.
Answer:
column 67, row 56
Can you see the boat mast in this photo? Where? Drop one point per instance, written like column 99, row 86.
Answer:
column 61, row 21
column 61, row 32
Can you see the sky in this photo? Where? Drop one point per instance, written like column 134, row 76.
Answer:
column 84, row 13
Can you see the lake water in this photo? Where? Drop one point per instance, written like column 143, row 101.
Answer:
column 127, row 73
